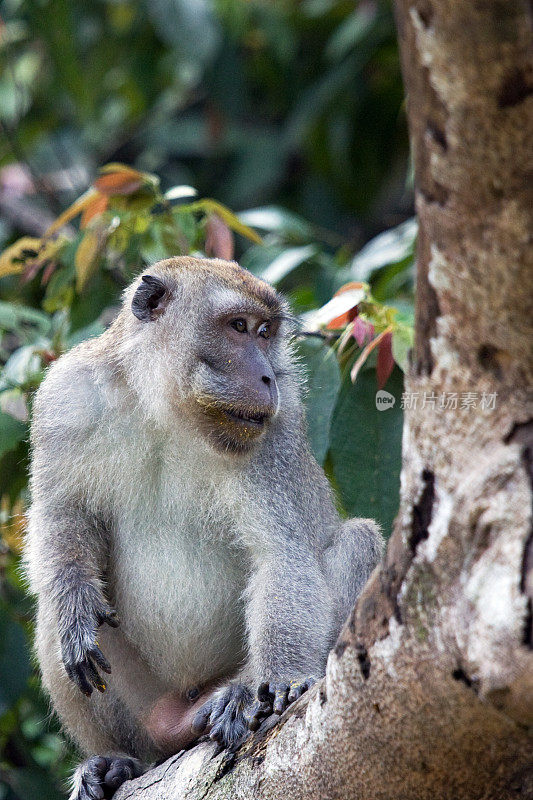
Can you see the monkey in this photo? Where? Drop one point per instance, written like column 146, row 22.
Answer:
column 181, row 537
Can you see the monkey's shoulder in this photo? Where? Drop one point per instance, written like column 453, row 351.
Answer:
column 70, row 400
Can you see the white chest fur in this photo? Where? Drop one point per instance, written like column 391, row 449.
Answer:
column 177, row 569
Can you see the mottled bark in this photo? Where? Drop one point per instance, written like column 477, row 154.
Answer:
column 429, row 692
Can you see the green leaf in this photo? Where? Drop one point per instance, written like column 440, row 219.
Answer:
column 13, row 317
column 278, row 220
column 258, row 257
column 14, row 466
column 86, row 258
column 179, row 192
column 212, row 206
column 60, row 289
column 13, row 402
column 402, row 342
column 323, row 383
column 12, row 431
column 87, row 307
column 24, row 366
column 366, row 448
column 14, row 660
column 389, row 247
column 91, row 330
column 152, row 248
column 286, row 262
column 394, row 280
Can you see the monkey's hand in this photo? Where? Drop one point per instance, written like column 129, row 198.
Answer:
column 224, row 716
column 79, row 646
column 275, row 697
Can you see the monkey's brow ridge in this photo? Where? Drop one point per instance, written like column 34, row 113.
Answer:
column 245, row 305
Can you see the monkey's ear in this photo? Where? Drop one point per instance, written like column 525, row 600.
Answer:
column 150, row 299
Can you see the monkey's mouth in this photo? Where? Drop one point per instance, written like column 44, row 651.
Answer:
column 247, row 419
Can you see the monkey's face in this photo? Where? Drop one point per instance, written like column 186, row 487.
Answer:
column 226, row 333
column 234, row 381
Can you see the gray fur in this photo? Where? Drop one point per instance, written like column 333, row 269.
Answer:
column 221, row 563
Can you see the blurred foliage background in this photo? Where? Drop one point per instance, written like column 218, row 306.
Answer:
column 290, row 114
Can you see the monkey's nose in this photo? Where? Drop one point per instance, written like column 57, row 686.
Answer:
column 259, row 381
column 266, row 393
column 273, row 392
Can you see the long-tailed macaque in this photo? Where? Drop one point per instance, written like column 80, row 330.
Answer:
column 181, row 535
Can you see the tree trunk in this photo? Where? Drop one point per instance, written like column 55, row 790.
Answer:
column 429, row 691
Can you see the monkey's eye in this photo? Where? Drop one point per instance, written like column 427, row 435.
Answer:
column 264, row 330
column 239, row 325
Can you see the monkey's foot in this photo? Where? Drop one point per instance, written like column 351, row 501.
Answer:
column 275, row 697
column 100, row 776
column 225, row 715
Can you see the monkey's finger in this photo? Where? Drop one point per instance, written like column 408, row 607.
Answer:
column 120, row 770
column 92, row 775
column 280, row 698
column 308, row 683
column 263, row 692
column 257, row 713
column 97, row 656
column 230, row 727
column 218, row 707
column 110, row 617
column 298, row 688
column 225, row 736
column 92, row 792
column 92, row 675
column 253, row 723
column 116, row 777
column 216, row 734
column 201, row 717
column 117, row 774
column 77, row 676
column 295, row 692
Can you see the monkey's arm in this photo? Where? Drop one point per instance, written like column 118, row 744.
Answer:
column 66, row 556
column 66, row 546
